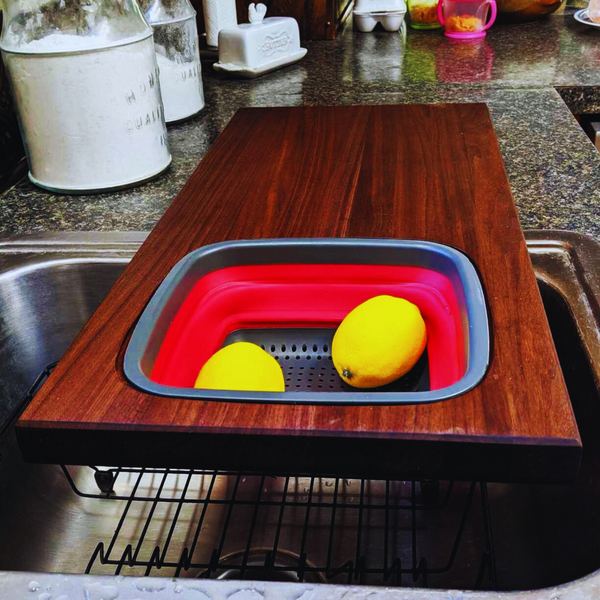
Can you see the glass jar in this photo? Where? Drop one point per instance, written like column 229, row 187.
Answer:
column 11, row 148
column 85, row 84
column 422, row 14
column 594, row 11
column 178, row 56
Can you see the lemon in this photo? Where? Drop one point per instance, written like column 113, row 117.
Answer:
column 379, row 341
column 241, row 366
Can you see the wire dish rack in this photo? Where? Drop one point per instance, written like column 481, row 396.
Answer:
column 302, row 528
column 290, row 527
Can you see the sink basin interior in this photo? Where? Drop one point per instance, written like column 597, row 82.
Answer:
column 42, row 308
column 434, row 534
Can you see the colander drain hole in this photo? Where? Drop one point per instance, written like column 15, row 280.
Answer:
column 302, row 360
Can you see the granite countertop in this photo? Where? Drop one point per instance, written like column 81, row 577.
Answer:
column 529, row 75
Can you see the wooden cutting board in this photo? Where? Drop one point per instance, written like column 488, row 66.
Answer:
column 409, row 171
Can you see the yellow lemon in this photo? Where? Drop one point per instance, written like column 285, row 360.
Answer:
column 379, row 341
column 241, row 366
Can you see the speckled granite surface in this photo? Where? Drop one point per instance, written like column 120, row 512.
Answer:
column 527, row 74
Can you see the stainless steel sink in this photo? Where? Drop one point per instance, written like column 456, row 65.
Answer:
column 256, row 526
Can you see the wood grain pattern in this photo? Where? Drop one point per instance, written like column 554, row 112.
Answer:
column 420, row 172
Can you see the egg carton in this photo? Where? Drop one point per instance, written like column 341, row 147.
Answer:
column 390, row 13
column 379, row 6
column 391, row 21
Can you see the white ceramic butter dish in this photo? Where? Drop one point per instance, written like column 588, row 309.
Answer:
column 263, row 45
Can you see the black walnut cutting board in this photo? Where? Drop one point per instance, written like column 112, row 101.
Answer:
column 409, row 171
